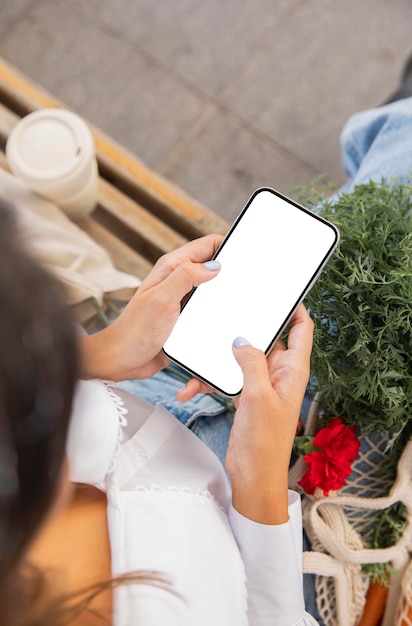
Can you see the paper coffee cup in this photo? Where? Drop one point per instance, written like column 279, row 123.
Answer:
column 52, row 152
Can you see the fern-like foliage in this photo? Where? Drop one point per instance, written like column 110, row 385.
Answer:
column 362, row 308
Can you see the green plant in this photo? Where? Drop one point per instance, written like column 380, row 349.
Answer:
column 387, row 531
column 362, row 308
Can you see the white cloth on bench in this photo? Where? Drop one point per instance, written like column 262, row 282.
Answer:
column 85, row 268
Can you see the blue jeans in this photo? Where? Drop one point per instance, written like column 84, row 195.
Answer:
column 208, row 418
column 376, row 144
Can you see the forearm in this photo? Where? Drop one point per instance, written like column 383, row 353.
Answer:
column 113, row 354
column 264, row 500
column 96, row 357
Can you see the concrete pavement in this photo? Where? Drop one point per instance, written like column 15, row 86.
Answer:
column 221, row 96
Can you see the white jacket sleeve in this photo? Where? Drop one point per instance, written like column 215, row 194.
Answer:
column 273, row 562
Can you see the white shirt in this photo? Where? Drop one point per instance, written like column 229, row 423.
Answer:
column 169, row 511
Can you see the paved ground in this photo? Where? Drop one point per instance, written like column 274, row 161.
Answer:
column 220, row 96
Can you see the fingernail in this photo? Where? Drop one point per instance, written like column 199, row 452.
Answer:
column 212, row 265
column 240, row 341
column 181, row 389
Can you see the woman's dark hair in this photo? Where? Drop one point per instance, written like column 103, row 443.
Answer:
column 38, row 370
column 38, row 366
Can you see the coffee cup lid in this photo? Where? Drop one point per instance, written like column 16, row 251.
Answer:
column 49, row 144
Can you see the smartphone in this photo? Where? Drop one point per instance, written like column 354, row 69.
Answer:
column 269, row 259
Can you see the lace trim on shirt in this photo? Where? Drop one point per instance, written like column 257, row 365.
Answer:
column 181, row 489
column 122, row 412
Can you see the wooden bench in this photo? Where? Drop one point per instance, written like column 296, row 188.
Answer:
column 139, row 215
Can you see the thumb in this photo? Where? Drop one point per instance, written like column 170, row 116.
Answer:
column 251, row 360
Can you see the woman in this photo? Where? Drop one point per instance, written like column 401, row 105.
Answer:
column 157, row 536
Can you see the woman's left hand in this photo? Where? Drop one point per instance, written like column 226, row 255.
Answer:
column 266, row 420
column 131, row 347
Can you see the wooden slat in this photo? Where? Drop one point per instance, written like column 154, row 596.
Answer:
column 20, row 93
column 123, row 257
column 135, row 224
column 163, row 198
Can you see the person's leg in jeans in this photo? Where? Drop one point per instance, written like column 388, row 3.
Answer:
column 377, row 144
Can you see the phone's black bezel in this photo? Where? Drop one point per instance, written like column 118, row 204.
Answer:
column 298, row 301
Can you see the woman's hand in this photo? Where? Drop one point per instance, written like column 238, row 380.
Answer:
column 131, row 347
column 266, row 420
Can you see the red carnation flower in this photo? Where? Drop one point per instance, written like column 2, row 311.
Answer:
column 335, row 447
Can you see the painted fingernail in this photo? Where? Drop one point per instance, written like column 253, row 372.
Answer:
column 240, row 341
column 212, row 265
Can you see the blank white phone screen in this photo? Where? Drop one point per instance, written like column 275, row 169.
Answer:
column 269, row 259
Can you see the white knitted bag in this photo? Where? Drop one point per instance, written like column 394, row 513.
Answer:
column 340, row 524
column 404, row 611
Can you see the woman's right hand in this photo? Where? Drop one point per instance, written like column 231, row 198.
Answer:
column 266, row 421
column 131, row 347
